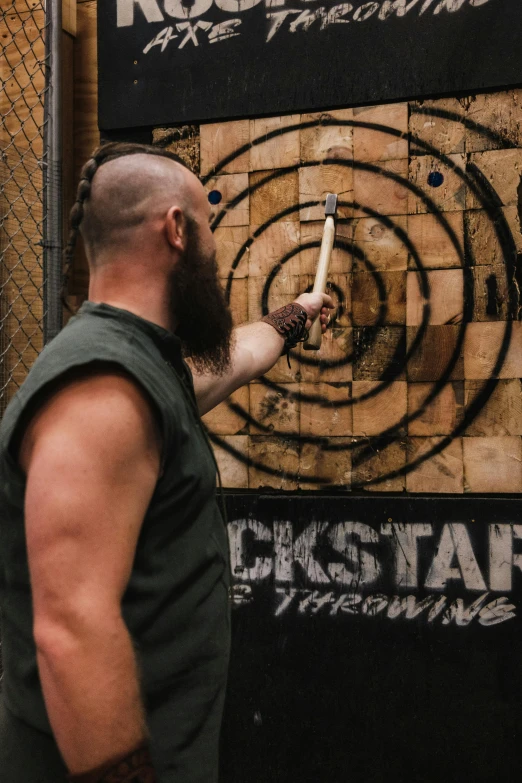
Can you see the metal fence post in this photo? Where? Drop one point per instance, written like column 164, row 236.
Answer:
column 53, row 232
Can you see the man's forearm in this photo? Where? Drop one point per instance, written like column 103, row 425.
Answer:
column 91, row 688
column 256, row 348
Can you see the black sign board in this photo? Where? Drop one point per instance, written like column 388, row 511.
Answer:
column 168, row 61
column 374, row 639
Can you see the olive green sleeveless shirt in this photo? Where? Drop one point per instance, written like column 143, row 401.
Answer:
column 176, row 602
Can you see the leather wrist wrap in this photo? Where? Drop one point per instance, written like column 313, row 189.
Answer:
column 290, row 322
column 134, row 768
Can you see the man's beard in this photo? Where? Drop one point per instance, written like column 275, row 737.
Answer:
column 199, row 306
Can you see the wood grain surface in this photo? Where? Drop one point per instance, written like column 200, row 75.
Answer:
column 417, row 379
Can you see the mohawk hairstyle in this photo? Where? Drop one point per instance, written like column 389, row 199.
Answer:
column 101, row 155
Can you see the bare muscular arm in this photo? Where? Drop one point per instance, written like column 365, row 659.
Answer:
column 256, row 349
column 91, row 457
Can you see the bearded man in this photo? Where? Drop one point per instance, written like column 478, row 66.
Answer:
column 115, row 575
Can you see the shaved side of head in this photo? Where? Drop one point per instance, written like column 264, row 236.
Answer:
column 144, row 218
column 126, row 193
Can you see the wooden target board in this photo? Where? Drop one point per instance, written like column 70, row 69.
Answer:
column 417, row 384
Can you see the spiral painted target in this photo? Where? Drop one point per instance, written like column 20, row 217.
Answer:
column 483, row 194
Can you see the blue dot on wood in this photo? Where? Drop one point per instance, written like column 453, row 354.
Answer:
column 435, row 179
column 214, row 197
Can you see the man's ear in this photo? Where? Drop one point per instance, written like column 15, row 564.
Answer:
column 176, row 228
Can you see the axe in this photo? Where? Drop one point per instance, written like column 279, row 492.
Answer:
column 313, row 343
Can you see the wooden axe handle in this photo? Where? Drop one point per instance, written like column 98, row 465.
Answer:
column 315, row 335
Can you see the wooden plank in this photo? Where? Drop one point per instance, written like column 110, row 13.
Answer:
column 446, row 297
column 329, row 419
column 436, row 350
column 230, row 187
column 327, row 141
column 502, row 413
column 374, row 145
column 379, row 192
column 269, row 248
column 282, row 456
column 279, row 151
column 444, row 472
column 383, row 248
column 275, row 410
column 315, row 182
column 433, row 242
column 493, row 464
column 502, row 168
column 491, row 294
column 483, row 243
column 184, row 141
column 233, row 471
column 282, row 373
column 336, row 345
column 239, row 301
column 441, row 415
column 482, row 345
column 372, row 296
column 219, row 140
column 512, row 217
column 69, row 24
column 448, row 195
column 224, row 420
column 378, row 353
column 86, row 133
column 334, row 469
column 374, row 415
column 372, row 463
column 499, row 112
column 229, row 241
column 270, row 198
column 446, row 135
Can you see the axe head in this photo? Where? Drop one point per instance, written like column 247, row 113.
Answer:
column 330, row 207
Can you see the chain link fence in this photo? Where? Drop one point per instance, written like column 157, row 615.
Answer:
column 30, row 194
column 23, row 66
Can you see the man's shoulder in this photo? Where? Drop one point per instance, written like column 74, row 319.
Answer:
column 83, row 327
column 88, row 337
column 88, row 343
